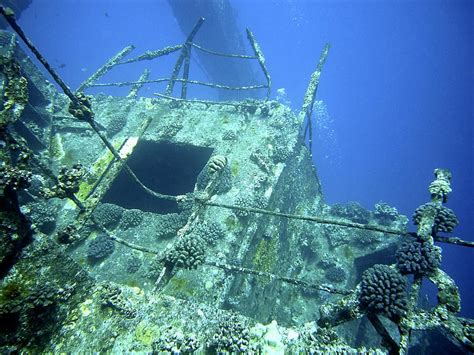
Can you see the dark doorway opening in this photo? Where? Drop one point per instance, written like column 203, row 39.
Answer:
column 164, row 167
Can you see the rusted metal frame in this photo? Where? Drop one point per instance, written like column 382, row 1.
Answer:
column 405, row 327
column 242, row 56
column 195, row 82
column 187, row 58
column 289, row 280
column 104, row 173
column 316, row 219
column 105, row 68
column 179, row 62
column 384, row 334
column 261, row 60
column 10, row 17
column 107, row 177
column 139, row 84
column 149, row 55
column 206, row 102
column 343, row 310
column 82, row 104
column 310, row 96
column 448, row 240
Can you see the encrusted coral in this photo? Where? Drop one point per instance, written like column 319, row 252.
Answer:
column 167, row 225
column 110, row 295
column 131, row 218
column 108, row 215
column 42, row 214
column 441, row 187
column 175, row 342
column 383, row 291
column 335, row 274
column 216, row 163
column 100, row 247
column 232, row 336
column 210, row 232
column 116, row 124
column 67, row 182
column 353, row 211
column 68, row 234
column 188, row 253
column 384, row 213
column 249, row 202
column 280, row 151
column 14, row 178
column 445, row 219
column 317, row 341
column 414, row 257
column 245, row 202
column 133, row 264
column 43, row 295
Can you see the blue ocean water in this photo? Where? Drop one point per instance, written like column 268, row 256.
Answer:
column 398, row 86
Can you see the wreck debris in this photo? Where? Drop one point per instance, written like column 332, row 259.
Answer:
column 261, row 59
column 306, row 112
column 105, row 68
column 139, row 84
column 187, row 251
column 410, row 317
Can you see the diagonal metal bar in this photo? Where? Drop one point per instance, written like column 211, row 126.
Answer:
column 112, row 62
column 261, row 60
column 179, row 62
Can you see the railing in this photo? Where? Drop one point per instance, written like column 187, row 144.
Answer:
column 183, row 62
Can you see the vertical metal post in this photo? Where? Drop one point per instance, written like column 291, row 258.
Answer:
column 261, row 60
column 310, row 96
column 135, row 88
column 182, row 56
column 187, row 58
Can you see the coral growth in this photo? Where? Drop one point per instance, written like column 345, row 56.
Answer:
column 232, row 336
column 100, row 247
column 384, row 213
column 383, row 291
column 216, row 163
column 414, row 257
column 131, row 218
column 249, row 202
column 108, row 215
column 13, row 178
column 175, row 342
column 210, row 232
column 352, row 211
column 133, row 264
column 445, row 219
column 110, row 295
column 188, row 253
column 335, row 274
column 167, row 225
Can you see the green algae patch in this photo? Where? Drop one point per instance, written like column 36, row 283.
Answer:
column 265, row 257
column 146, row 334
column 234, row 168
column 180, row 287
column 97, row 169
column 231, row 222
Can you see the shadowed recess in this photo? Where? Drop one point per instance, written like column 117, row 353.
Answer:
column 167, row 168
